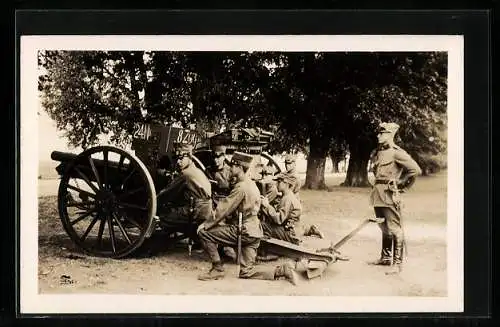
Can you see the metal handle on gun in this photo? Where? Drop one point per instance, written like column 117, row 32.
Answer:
column 240, row 223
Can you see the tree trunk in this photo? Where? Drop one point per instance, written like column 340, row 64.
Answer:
column 335, row 164
column 357, row 172
column 315, row 174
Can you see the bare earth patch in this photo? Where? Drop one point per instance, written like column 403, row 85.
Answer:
column 167, row 269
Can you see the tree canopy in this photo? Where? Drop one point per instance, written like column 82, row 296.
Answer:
column 322, row 103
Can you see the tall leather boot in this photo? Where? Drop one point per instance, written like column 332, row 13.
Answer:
column 287, row 271
column 216, row 272
column 398, row 257
column 386, row 252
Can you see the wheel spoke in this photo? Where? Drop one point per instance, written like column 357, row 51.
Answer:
column 111, row 231
column 105, row 155
column 125, row 180
column 79, row 204
column 101, row 231
column 120, row 162
column 92, row 195
column 94, row 170
column 87, row 231
column 122, row 230
column 86, row 179
column 88, row 213
column 131, row 206
column 130, row 192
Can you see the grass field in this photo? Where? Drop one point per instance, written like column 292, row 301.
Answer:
column 169, row 270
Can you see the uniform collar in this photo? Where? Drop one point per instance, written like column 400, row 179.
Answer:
column 383, row 147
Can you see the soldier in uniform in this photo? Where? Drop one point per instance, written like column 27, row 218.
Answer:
column 395, row 173
column 269, row 186
column 291, row 168
column 191, row 185
column 245, row 199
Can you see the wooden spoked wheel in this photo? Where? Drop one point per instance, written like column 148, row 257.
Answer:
column 107, row 202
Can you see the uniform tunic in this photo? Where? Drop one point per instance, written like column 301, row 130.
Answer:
column 192, row 183
column 222, row 177
column 281, row 222
column 391, row 163
column 244, row 198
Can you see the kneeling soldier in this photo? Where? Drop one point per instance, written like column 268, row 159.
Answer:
column 245, row 199
column 280, row 222
column 193, row 184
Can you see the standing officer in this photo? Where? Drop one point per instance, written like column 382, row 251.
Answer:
column 193, row 184
column 245, row 199
column 280, row 222
column 395, row 173
column 291, row 168
column 222, row 172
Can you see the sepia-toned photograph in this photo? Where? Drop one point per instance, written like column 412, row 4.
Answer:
column 296, row 174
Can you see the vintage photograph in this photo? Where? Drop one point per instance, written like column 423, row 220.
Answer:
column 260, row 170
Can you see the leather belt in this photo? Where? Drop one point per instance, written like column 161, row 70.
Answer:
column 382, row 181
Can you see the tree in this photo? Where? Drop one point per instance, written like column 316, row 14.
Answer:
column 409, row 89
column 318, row 103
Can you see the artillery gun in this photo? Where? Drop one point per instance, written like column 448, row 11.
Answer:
column 107, row 197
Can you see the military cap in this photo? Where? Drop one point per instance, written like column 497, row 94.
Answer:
column 388, row 128
column 287, row 178
column 219, row 150
column 242, row 159
column 289, row 158
column 269, row 170
column 182, row 148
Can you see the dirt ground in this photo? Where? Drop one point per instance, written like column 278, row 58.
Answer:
column 167, row 268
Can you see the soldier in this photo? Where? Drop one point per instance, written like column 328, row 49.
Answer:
column 291, row 168
column 269, row 186
column 280, row 222
column 244, row 198
column 193, row 184
column 395, row 173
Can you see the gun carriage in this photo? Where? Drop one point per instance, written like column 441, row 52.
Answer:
column 107, row 198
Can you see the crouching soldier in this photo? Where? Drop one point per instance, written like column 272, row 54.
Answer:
column 190, row 188
column 395, row 173
column 281, row 222
column 244, row 198
column 221, row 173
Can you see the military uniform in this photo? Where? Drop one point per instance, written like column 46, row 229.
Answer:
column 193, row 184
column 269, row 188
column 395, row 172
column 245, row 199
column 280, row 222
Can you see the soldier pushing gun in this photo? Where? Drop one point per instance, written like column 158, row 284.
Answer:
column 395, row 173
column 245, row 199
